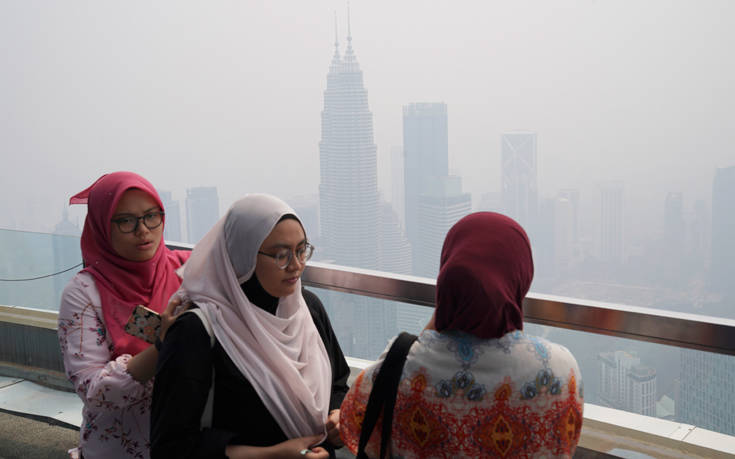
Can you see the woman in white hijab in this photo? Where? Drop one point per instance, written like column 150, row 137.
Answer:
column 274, row 363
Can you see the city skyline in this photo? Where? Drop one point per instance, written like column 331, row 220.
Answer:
column 625, row 191
column 592, row 125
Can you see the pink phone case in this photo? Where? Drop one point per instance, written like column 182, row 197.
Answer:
column 144, row 324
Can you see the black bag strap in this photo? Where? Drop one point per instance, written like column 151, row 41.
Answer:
column 383, row 396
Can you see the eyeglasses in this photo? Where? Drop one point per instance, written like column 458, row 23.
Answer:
column 284, row 256
column 129, row 223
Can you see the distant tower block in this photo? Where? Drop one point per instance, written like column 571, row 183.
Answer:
column 202, row 211
column 519, row 187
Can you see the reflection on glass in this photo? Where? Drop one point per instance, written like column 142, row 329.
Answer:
column 27, row 255
column 655, row 380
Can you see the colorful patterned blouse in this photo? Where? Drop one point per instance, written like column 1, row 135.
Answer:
column 116, row 413
column 461, row 396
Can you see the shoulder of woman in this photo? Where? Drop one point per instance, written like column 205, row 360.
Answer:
column 81, row 290
column 557, row 354
column 188, row 331
column 562, row 352
column 188, row 321
column 312, row 301
column 309, row 296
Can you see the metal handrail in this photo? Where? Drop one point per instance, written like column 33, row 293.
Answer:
column 691, row 331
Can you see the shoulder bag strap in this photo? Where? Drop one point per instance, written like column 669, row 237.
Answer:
column 383, row 395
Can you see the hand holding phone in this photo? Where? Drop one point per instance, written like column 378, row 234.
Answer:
column 144, row 323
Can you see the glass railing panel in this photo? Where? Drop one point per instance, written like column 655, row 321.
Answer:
column 656, row 380
column 26, row 255
column 683, row 385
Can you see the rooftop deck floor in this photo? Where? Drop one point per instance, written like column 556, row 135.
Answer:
column 39, row 422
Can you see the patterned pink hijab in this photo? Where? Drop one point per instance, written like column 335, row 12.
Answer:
column 122, row 283
column 486, row 271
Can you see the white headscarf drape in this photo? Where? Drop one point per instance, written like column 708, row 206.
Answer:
column 282, row 355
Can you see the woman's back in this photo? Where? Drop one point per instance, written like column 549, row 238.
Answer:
column 462, row 396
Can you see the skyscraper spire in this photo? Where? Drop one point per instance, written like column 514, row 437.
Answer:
column 336, row 34
column 336, row 59
column 350, row 61
column 349, row 29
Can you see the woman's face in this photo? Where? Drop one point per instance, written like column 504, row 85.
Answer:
column 141, row 244
column 287, row 235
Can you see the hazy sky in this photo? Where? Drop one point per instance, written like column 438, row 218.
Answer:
column 230, row 93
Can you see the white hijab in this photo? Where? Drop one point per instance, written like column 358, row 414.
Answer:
column 282, row 355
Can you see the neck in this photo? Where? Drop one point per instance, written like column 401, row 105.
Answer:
column 258, row 296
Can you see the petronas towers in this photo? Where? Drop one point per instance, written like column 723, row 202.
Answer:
column 348, row 192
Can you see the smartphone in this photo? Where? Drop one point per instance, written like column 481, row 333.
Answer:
column 144, row 323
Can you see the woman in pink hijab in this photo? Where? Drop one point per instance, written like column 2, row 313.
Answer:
column 474, row 384
column 127, row 264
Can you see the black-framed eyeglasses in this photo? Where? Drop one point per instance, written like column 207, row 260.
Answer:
column 284, row 256
column 129, row 223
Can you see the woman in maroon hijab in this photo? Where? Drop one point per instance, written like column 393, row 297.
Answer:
column 474, row 384
column 127, row 264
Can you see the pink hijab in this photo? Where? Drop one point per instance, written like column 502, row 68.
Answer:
column 281, row 354
column 486, row 270
column 123, row 284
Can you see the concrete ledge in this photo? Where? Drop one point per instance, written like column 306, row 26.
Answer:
column 49, row 378
column 620, row 432
column 41, row 318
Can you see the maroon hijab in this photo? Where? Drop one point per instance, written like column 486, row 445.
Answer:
column 486, row 270
column 122, row 283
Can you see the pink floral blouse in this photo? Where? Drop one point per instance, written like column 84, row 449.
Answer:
column 116, row 413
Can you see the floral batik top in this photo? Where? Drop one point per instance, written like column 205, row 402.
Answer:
column 116, row 413
column 460, row 396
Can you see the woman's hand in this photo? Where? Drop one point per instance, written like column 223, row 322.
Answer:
column 288, row 449
column 293, row 448
column 168, row 317
column 333, row 429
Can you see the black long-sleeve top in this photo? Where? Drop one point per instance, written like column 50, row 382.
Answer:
column 183, row 379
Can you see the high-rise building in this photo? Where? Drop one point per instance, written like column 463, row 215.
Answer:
column 625, row 384
column 426, row 158
column 611, row 222
column 706, row 399
column 614, row 367
column 395, row 250
column 65, row 227
column 641, row 388
column 698, row 235
column 65, row 245
column 519, row 180
column 349, row 206
column 348, row 193
column 202, row 211
column 566, row 228
column 674, row 228
column 438, row 211
column 571, row 195
column 490, row 201
column 172, row 228
column 307, row 208
column 434, row 199
column 398, row 188
column 412, row 318
column 722, row 263
column 543, row 242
